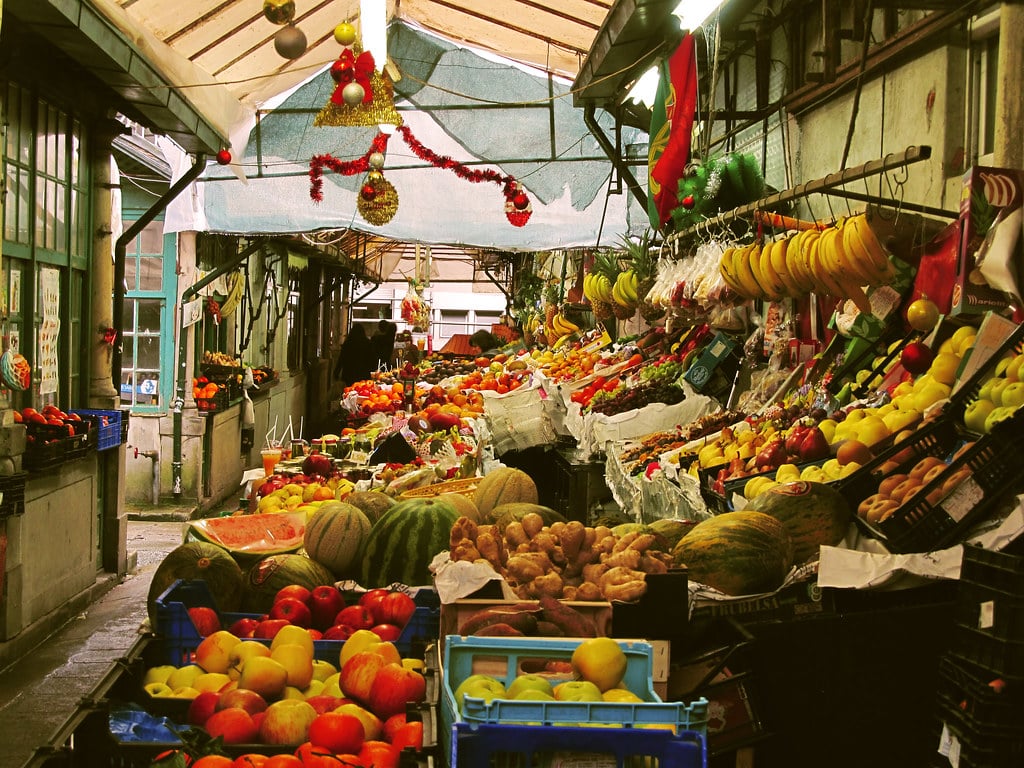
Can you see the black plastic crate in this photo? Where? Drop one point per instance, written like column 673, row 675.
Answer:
column 980, row 695
column 931, row 519
column 219, row 402
column 992, row 593
column 12, row 494
column 981, row 744
column 999, row 657
column 661, row 613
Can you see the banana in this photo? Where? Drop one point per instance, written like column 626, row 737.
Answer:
column 634, row 286
column 873, row 249
column 780, row 269
column 742, row 262
column 236, row 289
column 821, row 269
column 880, row 271
column 761, row 279
column 626, row 290
column 797, row 263
column 728, row 273
column 588, row 287
column 841, row 284
column 849, row 267
column 619, row 291
column 773, row 284
column 603, row 286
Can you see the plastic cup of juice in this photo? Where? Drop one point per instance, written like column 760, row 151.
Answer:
column 270, row 458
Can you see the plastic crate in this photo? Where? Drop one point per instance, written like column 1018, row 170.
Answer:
column 981, row 744
column 992, row 593
column 219, row 402
column 181, row 638
column 106, row 427
column 996, row 464
column 49, row 445
column 509, row 746
column 968, row 391
column 999, row 657
column 968, row 688
column 12, row 494
column 506, row 657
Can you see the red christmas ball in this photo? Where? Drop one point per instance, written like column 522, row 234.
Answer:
column 521, row 201
column 224, row 157
column 339, row 69
column 688, row 202
column 368, row 192
column 916, row 357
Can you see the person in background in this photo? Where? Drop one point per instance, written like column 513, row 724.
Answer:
column 383, row 342
column 356, row 359
column 486, row 342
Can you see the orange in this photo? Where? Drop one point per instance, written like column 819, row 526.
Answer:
column 283, row 761
column 213, row 761
column 250, row 760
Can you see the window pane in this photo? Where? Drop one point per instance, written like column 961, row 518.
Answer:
column 131, row 269
column 25, row 139
column 148, row 352
column 127, row 382
column 60, row 221
column 148, row 387
column 128, row 351
column 149, row 316
column 151, row 239
column 151, row 273
column 23, row 203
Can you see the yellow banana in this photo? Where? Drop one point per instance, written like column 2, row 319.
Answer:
column 634, row 286
column 841, row 284
column 873, row 249
column 780, row 268
column 236, row 289
column 588, row 286
column 880, row 268
column 626, row 289
column 850, row 269
column 797, row 263
column 762, row 280
column 603, row 286
column 774, row 285
column 742, row 262
column 728, row 273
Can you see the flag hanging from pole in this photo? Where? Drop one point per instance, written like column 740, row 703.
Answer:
column 671, row 127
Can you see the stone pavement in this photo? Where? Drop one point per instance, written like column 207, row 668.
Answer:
column 42, row 690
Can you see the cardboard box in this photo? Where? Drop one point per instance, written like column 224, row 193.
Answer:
column 986, row 191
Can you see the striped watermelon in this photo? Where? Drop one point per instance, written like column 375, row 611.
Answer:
column 268, row 575
column 402, row 543
column 334, row 536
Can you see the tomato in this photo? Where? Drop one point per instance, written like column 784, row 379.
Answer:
column 610, row 385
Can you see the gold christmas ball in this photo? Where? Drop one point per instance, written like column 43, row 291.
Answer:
column 345, row 33
column 279, row 11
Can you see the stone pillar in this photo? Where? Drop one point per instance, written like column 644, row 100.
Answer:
column 102, row 393
column 1009, row 142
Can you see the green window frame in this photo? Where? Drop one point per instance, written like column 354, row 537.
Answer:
column 147, row 367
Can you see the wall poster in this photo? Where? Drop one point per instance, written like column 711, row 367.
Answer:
column 49, row 330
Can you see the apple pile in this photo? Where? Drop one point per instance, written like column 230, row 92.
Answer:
column 321, row 610
column 999, row 396
column 594, row 673
column 301, row 492
column 244, row 691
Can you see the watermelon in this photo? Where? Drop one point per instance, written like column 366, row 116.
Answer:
column 814, row 514
column 738, row 553
column 269, row 574
column 198, row 560
column 401, row 545
column 260, row 534
column 502, row 486
column 335, row 536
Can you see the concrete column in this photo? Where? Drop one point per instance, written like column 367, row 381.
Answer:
column 1009, row 134
column 102, row 393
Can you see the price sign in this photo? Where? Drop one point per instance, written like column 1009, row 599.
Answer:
column 191, row 313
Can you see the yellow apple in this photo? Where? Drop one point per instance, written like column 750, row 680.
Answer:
column 1013, row 368
column 287, row 722
column 828, row 428
column 323, row 669
column 291, row 692
column 291, row 633
column 308, row 493
column 976, row 413
column 332, row 686
column 849, row 468
column 899, row 420
column 601, row 661
column 183, row 677
column 265, row 675
column 210, row 681
column 995, row 392
column 961, row 335
column 297, row 661
column 930, row 395
column 872, row 430
column 187, row 692
column 244, row 650
column 853, row 416
column 373, row 727
column 831, row 468
column 1012, row 395
column 158, row 690
column 158, row 674
column 943, row 368
column 213, row 653
column 315, row 688
column 620, row 694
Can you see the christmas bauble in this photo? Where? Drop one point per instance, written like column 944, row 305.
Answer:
column 368, row 192
column 376, row 160
column 290, row 42
column 339, row 69
column 279, row 11
column 521, row 201
column 345, row 33
column 353, row 94
column 922, row 314
column 688, row 202
column 224, row 157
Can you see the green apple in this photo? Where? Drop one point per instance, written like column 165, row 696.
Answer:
column 995, row 394
column 976, row 413
column 529, row 694
column 531, row 682
column 998, row 414
column 985, row 393
column 1013, row 394
column 1013, row 370
column 479, row 686
column 578, row 690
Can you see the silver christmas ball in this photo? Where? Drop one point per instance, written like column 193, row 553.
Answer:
column 376, row 160
column 289, row 42
column 353, row 94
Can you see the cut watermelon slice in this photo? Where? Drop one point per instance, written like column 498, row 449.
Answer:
column 268, row 533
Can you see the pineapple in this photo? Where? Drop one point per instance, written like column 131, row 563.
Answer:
column 644, row 264
column 607, row 264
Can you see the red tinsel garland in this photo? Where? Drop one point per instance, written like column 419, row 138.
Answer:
column 344, row 167
column 517, row 203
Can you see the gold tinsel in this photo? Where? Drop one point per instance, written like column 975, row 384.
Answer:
column 383, row 206
column 380, row 110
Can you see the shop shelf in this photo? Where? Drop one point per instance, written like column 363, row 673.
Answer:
column 992, row 593
column 12, row 494
column 995, row 462
column 106, row 426
column 509, row 746
column 181, row 638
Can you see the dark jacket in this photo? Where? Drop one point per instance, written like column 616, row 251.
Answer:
column 356, row 359
column 383, row 343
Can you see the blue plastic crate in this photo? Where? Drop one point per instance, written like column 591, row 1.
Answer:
column 181, row 639
column 107, row 427
column 506, row 657
column 510, row 746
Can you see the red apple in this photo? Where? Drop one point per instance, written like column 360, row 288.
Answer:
column 233, row 725
column 393, row 723
column 205, row 618
column 267, row 628
column 396, row 608
column 287, row 722
column 338, row 632
column 388, row 632
column 202, row 706
column 408, row 735
column 337, row 731
column 293, row 610
column 244, row 627
column 299, row 592
column 371, row 598
column 242, row 698
column 316, row 634
column 357, row 675
column 393, row 687
column 325, row 602
column 324, row 702
column 355, row 616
